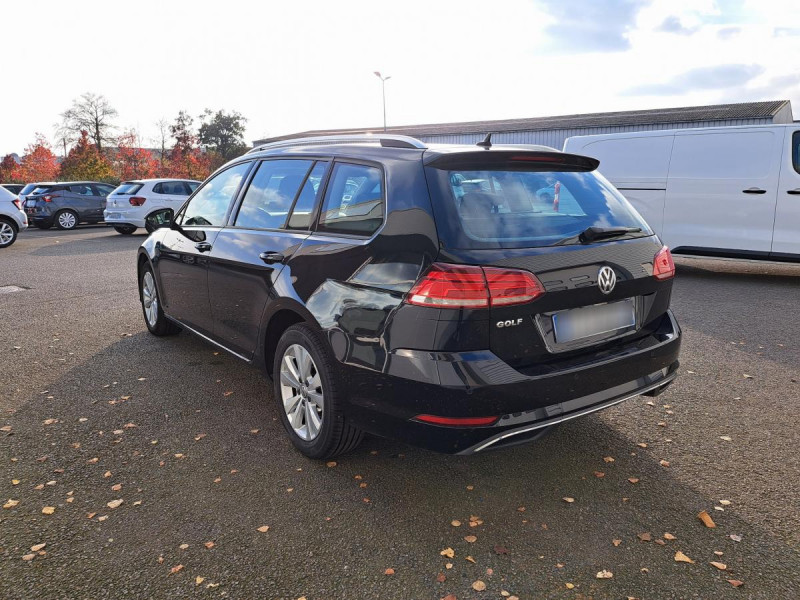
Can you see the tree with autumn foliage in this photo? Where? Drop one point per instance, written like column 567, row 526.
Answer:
column 84, row 162
column 8, row 170
column 186, row 160
column 39, row 163
column 132, row 161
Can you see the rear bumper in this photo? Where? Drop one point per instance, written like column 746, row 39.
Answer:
column 112, row 217
column 478, row 384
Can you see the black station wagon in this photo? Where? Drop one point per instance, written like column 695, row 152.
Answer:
column 459, row 298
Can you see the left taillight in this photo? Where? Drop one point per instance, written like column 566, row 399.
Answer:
column 137, row 200
column 663, row 265
column 466, row 286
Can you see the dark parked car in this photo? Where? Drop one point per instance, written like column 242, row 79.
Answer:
column 66, row 204
column 382, row 297
column 14, row 188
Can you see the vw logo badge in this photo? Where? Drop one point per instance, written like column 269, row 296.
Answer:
column 606, row 280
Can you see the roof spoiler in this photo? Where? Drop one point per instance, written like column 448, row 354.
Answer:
column 513, row 160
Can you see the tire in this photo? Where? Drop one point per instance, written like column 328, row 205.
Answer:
column 66, row 219
column 334, row 434
column 124, row 229
column 8, row 233
column 157, row 323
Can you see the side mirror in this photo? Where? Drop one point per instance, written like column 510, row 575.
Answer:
column 159, row 219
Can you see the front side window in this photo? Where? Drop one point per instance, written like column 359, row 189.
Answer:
column 520, row 209
column 307, row 200
column 353, row 201
column 82, row 190
column 210, row 205
column 271, row 192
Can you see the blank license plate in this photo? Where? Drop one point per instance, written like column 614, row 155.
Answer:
column 588, row 321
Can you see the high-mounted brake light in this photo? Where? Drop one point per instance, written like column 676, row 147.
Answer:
column 464, row 286
column 537, row 158
column 663, row 265
column 457, row 421
column 137, row 200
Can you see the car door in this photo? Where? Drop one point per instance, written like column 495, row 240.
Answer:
column 250, row 253
column 786, row 239
column 101, row 192
column 182, row 255
column 722, row 190
column 79, row 197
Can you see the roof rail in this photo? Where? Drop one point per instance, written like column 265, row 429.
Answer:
column 385, row 140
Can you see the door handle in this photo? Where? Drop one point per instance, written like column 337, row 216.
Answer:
column 794, row 192
column 203, row 246
column 271, row 257
column 754, row 190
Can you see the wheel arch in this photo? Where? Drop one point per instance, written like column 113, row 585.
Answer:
column 10, row 221
column 279, row 316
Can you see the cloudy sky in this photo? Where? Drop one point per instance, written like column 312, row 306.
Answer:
column 296, row 65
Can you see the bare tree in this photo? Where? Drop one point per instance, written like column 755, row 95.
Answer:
column 91, row 113
column 163, row 136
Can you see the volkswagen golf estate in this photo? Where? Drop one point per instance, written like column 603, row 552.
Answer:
column 458, row 298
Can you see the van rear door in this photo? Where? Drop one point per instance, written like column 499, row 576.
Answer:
column 786, row 239
column 722, row 190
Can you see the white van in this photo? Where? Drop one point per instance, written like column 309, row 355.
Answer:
column 717, row 191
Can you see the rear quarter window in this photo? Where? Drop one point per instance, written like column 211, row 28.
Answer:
column 354, row 200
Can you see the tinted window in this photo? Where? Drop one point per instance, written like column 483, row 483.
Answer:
column 511, row 209
column 103, row 189
column 193, row 185
column 28, row 189
column 128, row 188
column 354, row 200
column 173, row 188
column 796, row 150
column 210, row 204
column 41, row 189
column 307, row 200
column 82, row 189
column 269, row 196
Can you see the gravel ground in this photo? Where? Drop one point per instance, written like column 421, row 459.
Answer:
column 188, row 439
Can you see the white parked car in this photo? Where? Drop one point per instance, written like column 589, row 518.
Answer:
column 12, row 218
column 132, row 202
column 718, row 191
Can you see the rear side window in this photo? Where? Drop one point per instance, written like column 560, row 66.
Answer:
column 172, row 188
column 128, row 189
column 522, row 209
column 271, row 192
column 307, row 200
column 82, row 189
column 796, row 150
column 353, row 201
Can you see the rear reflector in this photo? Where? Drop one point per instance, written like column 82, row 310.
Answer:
column 457, row 422
column 663, row 265
column 137, row 200
column 464, row 286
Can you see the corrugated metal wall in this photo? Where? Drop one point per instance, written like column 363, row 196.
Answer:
column 555, row 137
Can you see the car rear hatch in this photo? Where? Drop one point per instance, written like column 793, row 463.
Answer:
column 567, row 261
column 119, row 201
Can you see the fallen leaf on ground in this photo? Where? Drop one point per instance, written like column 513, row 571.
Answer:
column 49, row 421
column 199, row 437
column 115, row 503
column 38, row 547
column 470, row 539
column 645, row 537
column 455, row 523
column 669, row 536
column 664, row 463
column 48, row 510
column 569, row 586
column 719, row 565
column 450, row 597
column 103, row 518
column 706, row 519
column 633, row 480
column 116, row 487
column 520, row 509
column 568, row 500
column 735, row 582
column 726, row 438
column 254, row 431
column 604, row 574
column 176, row 569
column 662, row 424
column 440, row 578
column 331, row 463
column 227, row 393
column 681, row 557
column 478, row 586
column 15, row 482
column 500, row 550
column 735, row 538
column 746, row 376
column 209, row 545
column 470, row 559
column 723, row 502
column 448, row 566
column 389, row 571
column 608, row 459
column 616, row 542
column 264, row 528
column 599, row 474
column 29, row 557
column 448, row 552
column 642, row 445
column 10, row 503
column 198, row 580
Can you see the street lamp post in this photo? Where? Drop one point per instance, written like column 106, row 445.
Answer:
column 383, row 89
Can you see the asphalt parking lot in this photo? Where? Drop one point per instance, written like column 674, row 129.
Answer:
column 95, row 410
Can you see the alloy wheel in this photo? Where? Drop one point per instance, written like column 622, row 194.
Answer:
column 301, row 392
column 67, row 220
column 6, row 233
column 150, row 299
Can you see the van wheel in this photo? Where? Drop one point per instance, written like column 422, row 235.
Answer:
column 8, row 233
column 124, row 229
column 309, row 396
column 157, row 323
column 66, row 219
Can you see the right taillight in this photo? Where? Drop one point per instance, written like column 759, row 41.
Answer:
column 137, row 200
column 663, row 265
column 464, row 286
column 47, row 198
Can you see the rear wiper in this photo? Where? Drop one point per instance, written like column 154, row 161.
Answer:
column 591, row 234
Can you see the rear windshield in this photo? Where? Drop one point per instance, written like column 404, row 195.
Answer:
column 127, row 189
column 522, row 209
column 41, row 189
column 28, row 188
